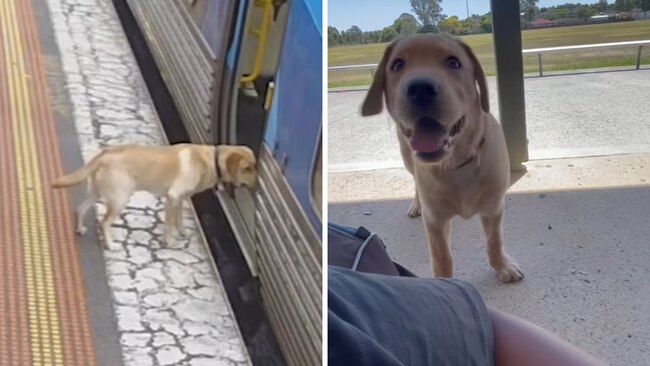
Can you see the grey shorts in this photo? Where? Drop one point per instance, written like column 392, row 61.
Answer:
column 385, row 320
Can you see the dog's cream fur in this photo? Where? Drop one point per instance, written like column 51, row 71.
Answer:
column 176, row 172
column 470, row 173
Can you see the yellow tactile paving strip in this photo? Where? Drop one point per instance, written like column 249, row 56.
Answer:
column 43, row 316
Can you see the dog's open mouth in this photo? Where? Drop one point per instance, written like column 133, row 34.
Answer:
column 430, row 140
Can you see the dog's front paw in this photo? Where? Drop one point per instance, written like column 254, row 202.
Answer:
column 168, row 241
column 414, row 209
column 510, row 271
column 112, row 246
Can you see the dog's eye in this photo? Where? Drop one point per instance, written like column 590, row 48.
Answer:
column 453, row 62
column 397, row 65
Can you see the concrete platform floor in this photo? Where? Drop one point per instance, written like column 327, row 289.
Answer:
column 578, row 228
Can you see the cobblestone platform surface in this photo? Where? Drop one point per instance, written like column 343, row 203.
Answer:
column 169, row 302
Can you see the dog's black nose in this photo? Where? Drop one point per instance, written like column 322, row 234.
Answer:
column 422, row 91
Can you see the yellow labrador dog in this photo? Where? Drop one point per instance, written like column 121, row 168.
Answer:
column 176, row 172
column 449, row 141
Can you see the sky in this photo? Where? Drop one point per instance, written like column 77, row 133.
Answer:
column 376, row 14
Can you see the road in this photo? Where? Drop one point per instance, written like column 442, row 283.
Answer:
column 596, row 113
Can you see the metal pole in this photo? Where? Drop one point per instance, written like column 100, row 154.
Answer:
column 539, row 62
column 510, row 78
column 467, row 5
column 638, row 57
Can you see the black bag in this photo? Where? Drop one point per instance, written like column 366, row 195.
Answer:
column 360, row 250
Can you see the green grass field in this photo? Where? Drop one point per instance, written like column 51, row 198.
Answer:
column 482, row 45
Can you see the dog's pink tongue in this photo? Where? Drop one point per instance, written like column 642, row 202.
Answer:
column 427, row 142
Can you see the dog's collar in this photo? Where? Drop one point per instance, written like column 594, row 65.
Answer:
column 217, row 166
column 471, row 158
column 218, row 170
column 228, row 187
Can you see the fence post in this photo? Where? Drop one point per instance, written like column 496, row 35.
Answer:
column 372, row 73
column 510, row 78
column 638, row 57
column 539, row 61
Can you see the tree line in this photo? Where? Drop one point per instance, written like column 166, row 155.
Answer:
column 429, row 19
column 578, row 11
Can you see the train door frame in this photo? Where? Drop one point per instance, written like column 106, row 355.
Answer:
column 281, row 245
column 220, row 68
column 239, row 209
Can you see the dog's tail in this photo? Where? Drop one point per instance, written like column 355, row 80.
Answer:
column 80, row 174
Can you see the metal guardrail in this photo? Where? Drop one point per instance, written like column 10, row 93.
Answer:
column 539, row 52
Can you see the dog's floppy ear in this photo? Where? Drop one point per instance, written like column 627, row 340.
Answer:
column 479, row 76
column 373, row 104
column 232, row 163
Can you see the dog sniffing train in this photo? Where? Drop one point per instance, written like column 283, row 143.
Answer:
column 249, row 72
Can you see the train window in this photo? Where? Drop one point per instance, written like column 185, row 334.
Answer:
column 317, row 182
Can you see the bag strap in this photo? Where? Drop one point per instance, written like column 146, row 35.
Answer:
column 363, row 246
column 360, row 232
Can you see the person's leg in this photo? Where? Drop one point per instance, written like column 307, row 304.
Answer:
column 387, row 320
column 519, row 342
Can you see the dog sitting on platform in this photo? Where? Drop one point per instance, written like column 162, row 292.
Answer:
column 176, row 172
